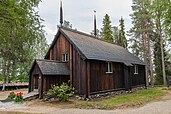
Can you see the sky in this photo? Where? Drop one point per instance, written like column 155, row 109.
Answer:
column 80, row 14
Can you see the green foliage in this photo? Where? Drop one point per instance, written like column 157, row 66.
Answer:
column 17, row 97
column 115, row 34
column 150, row 31
column 160, row 15
column 21, row 37
column 142, row 24
column 97, row 32
column 158, row 64
column 11, row 95
column 122, row 41
column 106, row 30
column 62, row 92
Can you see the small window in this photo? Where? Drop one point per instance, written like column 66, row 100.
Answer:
column 109, row 67
column 135, row 69
column 65, row 57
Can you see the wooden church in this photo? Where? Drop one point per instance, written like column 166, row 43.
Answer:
column 91, row 64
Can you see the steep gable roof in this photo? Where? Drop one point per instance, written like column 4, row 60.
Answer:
column 93, row 48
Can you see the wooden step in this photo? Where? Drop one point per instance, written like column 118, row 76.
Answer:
column 32, row 95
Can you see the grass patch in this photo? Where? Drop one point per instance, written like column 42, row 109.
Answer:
column 169, row 88
column 134, row 99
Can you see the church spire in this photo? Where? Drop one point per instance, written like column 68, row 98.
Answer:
column 61, row 14
column 95, row 31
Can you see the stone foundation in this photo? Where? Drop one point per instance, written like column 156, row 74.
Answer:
column 109, row 94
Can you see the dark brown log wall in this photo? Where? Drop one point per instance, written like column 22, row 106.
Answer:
column 35, row 73
column 76, row 64
column 54, row 80
column 102, row 81
column 78, row 72
column 36, row 80
column 138, row 79
column 61, row 46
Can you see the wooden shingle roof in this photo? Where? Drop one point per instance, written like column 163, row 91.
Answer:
column 51, row 67
column 93, row 48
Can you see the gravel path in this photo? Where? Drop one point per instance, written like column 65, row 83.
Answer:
column 160, row 107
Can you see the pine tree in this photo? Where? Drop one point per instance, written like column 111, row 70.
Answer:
column 115, row 34
column 142, row 29
column 122, row 38
column 106, row 30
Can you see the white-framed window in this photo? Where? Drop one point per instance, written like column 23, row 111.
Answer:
column 135, row 69
column 109, row 67
column 65, row 57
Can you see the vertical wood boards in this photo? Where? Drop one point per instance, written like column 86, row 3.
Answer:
column 71, row 64
column 88, row 78
column 51, row 56
column 138, row 79
column 102, row 81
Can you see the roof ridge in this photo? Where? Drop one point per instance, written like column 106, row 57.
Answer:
column 47, row 60
column 91, row 36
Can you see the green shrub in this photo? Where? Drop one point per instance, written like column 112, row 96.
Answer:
column 62, row 92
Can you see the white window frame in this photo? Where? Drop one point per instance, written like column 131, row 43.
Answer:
column 65, row 58
column 135, row 69
column 109, row 68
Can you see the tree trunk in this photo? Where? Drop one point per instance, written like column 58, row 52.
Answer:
column 149, row 57
column 151, row 66
column 162, row 56
column 145, row 59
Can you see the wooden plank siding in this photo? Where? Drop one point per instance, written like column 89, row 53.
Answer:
column 61, row 46
column 33, row 76
column 76, row 64
column 138, row 79
column 79, row 73
column 54, row 80
column 102, row 81
column 36, row 78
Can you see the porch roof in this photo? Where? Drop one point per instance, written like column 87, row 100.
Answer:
column 50, row 67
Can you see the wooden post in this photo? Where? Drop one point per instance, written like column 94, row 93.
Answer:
column 51, row 54
column 70, row 64
column 39, row 86
column 88, row 79
column 29, row 90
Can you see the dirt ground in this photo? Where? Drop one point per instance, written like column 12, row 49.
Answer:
column 38, row 106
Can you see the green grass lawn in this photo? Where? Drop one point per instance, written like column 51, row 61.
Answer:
column 134, row 99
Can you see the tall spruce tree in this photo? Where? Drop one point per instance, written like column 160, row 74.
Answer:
column 122, row 38
column 158, row 62
column 106, row 30
column 115, row 34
